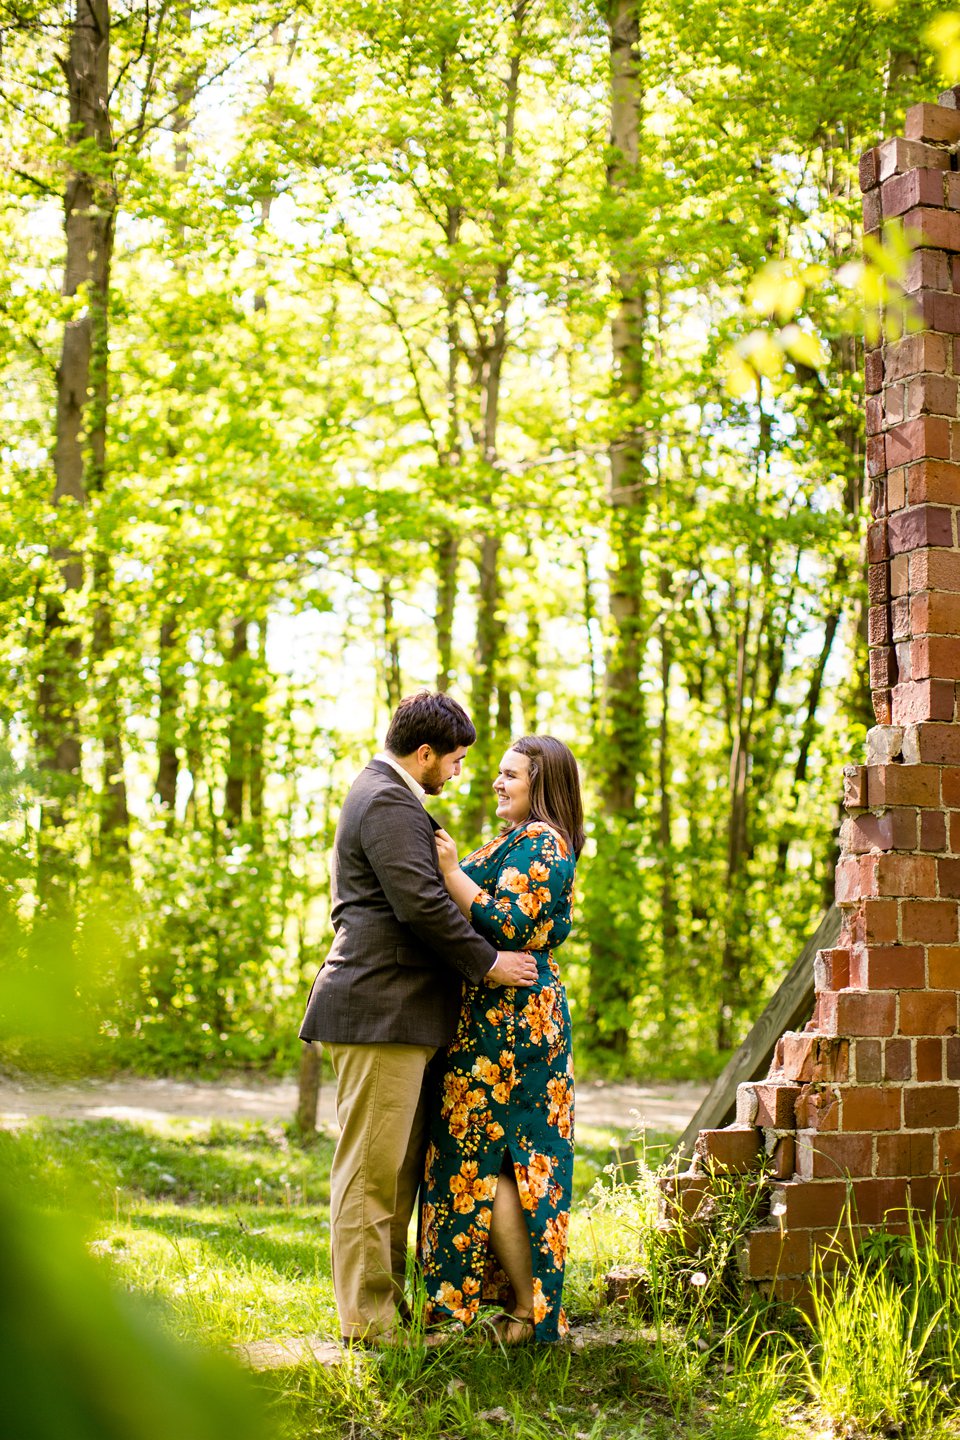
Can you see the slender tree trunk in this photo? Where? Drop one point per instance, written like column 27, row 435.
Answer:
column 89, row 205
column 491, row 353
column 629, row 484
column 612, row 982
column 169, row 699
column 238, row 735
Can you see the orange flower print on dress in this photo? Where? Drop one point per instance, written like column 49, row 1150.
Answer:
column 533, row 1179
column 468, row 1187
column 539, row 1015
column 530, row 906
column 555, row 1237
column 540, row 1305
column 511, row 879
column 453, row 1300
column 559, row 1112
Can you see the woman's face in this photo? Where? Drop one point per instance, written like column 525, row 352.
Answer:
column 512, row 788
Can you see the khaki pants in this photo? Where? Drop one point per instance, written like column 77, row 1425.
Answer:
column 374, row 1179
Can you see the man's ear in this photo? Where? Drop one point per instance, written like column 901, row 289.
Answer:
column 425, row 754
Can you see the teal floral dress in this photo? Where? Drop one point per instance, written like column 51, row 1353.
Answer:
column 505, row 1090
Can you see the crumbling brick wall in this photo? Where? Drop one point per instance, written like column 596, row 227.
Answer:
column 865, row 1102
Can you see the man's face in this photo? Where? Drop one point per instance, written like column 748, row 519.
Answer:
column 437, row 769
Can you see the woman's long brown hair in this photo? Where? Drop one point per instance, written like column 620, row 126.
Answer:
column 554, row 786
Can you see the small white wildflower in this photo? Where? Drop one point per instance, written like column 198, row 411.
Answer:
column 698, row 1278
column 778, row 1209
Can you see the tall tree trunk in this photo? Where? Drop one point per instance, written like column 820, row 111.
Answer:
column 89, row 205
column 169, row 698
column 489, row 361
column 623, row 740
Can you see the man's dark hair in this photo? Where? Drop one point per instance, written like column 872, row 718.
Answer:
column 428, row 719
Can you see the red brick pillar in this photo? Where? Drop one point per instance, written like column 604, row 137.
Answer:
column 865, row 1103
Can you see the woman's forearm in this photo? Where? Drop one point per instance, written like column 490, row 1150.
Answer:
column 462, row 890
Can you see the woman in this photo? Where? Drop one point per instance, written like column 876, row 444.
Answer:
column 499, row 1162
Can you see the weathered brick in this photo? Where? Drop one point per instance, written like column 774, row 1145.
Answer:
column 878, row 625
column 914, row 355
column 857, row 1012
column 807, row 1203
column 896, row 156
column 897, row 1059
column 828, row 1157
column 683, row 1195
column 872, row 212
column 782, row 1158
column 932, row 921
column 948, row 874
column 887, row 967
column 876, row 467
column 927, row 270
column 817, row 1108
column 933, row 830
column 895, row 497
column 901, row 785
column 948, row 1149
column 883, row 668
column 932, row 122
column 917, row 700
column 930, row 1107
column 873, row 372
column 876, row 541
column 929, row 1059
column 904, row 1154
column 869, row 168
column 774, row 1250
column 935, row 657
column 882, row 709
column 895, row 829
column 933, row 481
column 895, row 875
column 933, row 395
column 880, row 920
column 855, row 786
column 875, row 1199
column 928, row 226
column 775, row 1104
column 928, row 1012
column 919, row 525
column 831, row 970
column 950, row 784
column 951, row 1056
column 953, row 819
column 868, row 1061
column 938, row 744
column 734, row 1149
column 878, row 582
column 900, row 630
column 939, row 311
column 943, row 970
column 870, row 1107
column 917, row 187
column 935, row 570
column 935, row 612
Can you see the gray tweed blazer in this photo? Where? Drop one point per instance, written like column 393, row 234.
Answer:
column 402, row 949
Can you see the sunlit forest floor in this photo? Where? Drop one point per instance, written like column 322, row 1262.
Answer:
column 224, row 1228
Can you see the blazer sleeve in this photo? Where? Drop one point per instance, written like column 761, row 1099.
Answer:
column 398, row 841
column 527, row 890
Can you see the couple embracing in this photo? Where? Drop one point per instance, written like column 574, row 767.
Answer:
column 445, row 1019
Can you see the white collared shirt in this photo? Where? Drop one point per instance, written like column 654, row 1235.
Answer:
column 405, row 775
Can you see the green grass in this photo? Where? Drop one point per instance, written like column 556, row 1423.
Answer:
column 225, row 1229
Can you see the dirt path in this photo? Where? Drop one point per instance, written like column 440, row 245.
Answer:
column 620, row 1106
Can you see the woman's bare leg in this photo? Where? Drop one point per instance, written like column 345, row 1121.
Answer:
column 511, row 1245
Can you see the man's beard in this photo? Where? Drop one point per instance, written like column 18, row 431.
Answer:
column 432, row 780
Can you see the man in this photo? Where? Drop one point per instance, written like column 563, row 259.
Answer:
column 388, row 997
